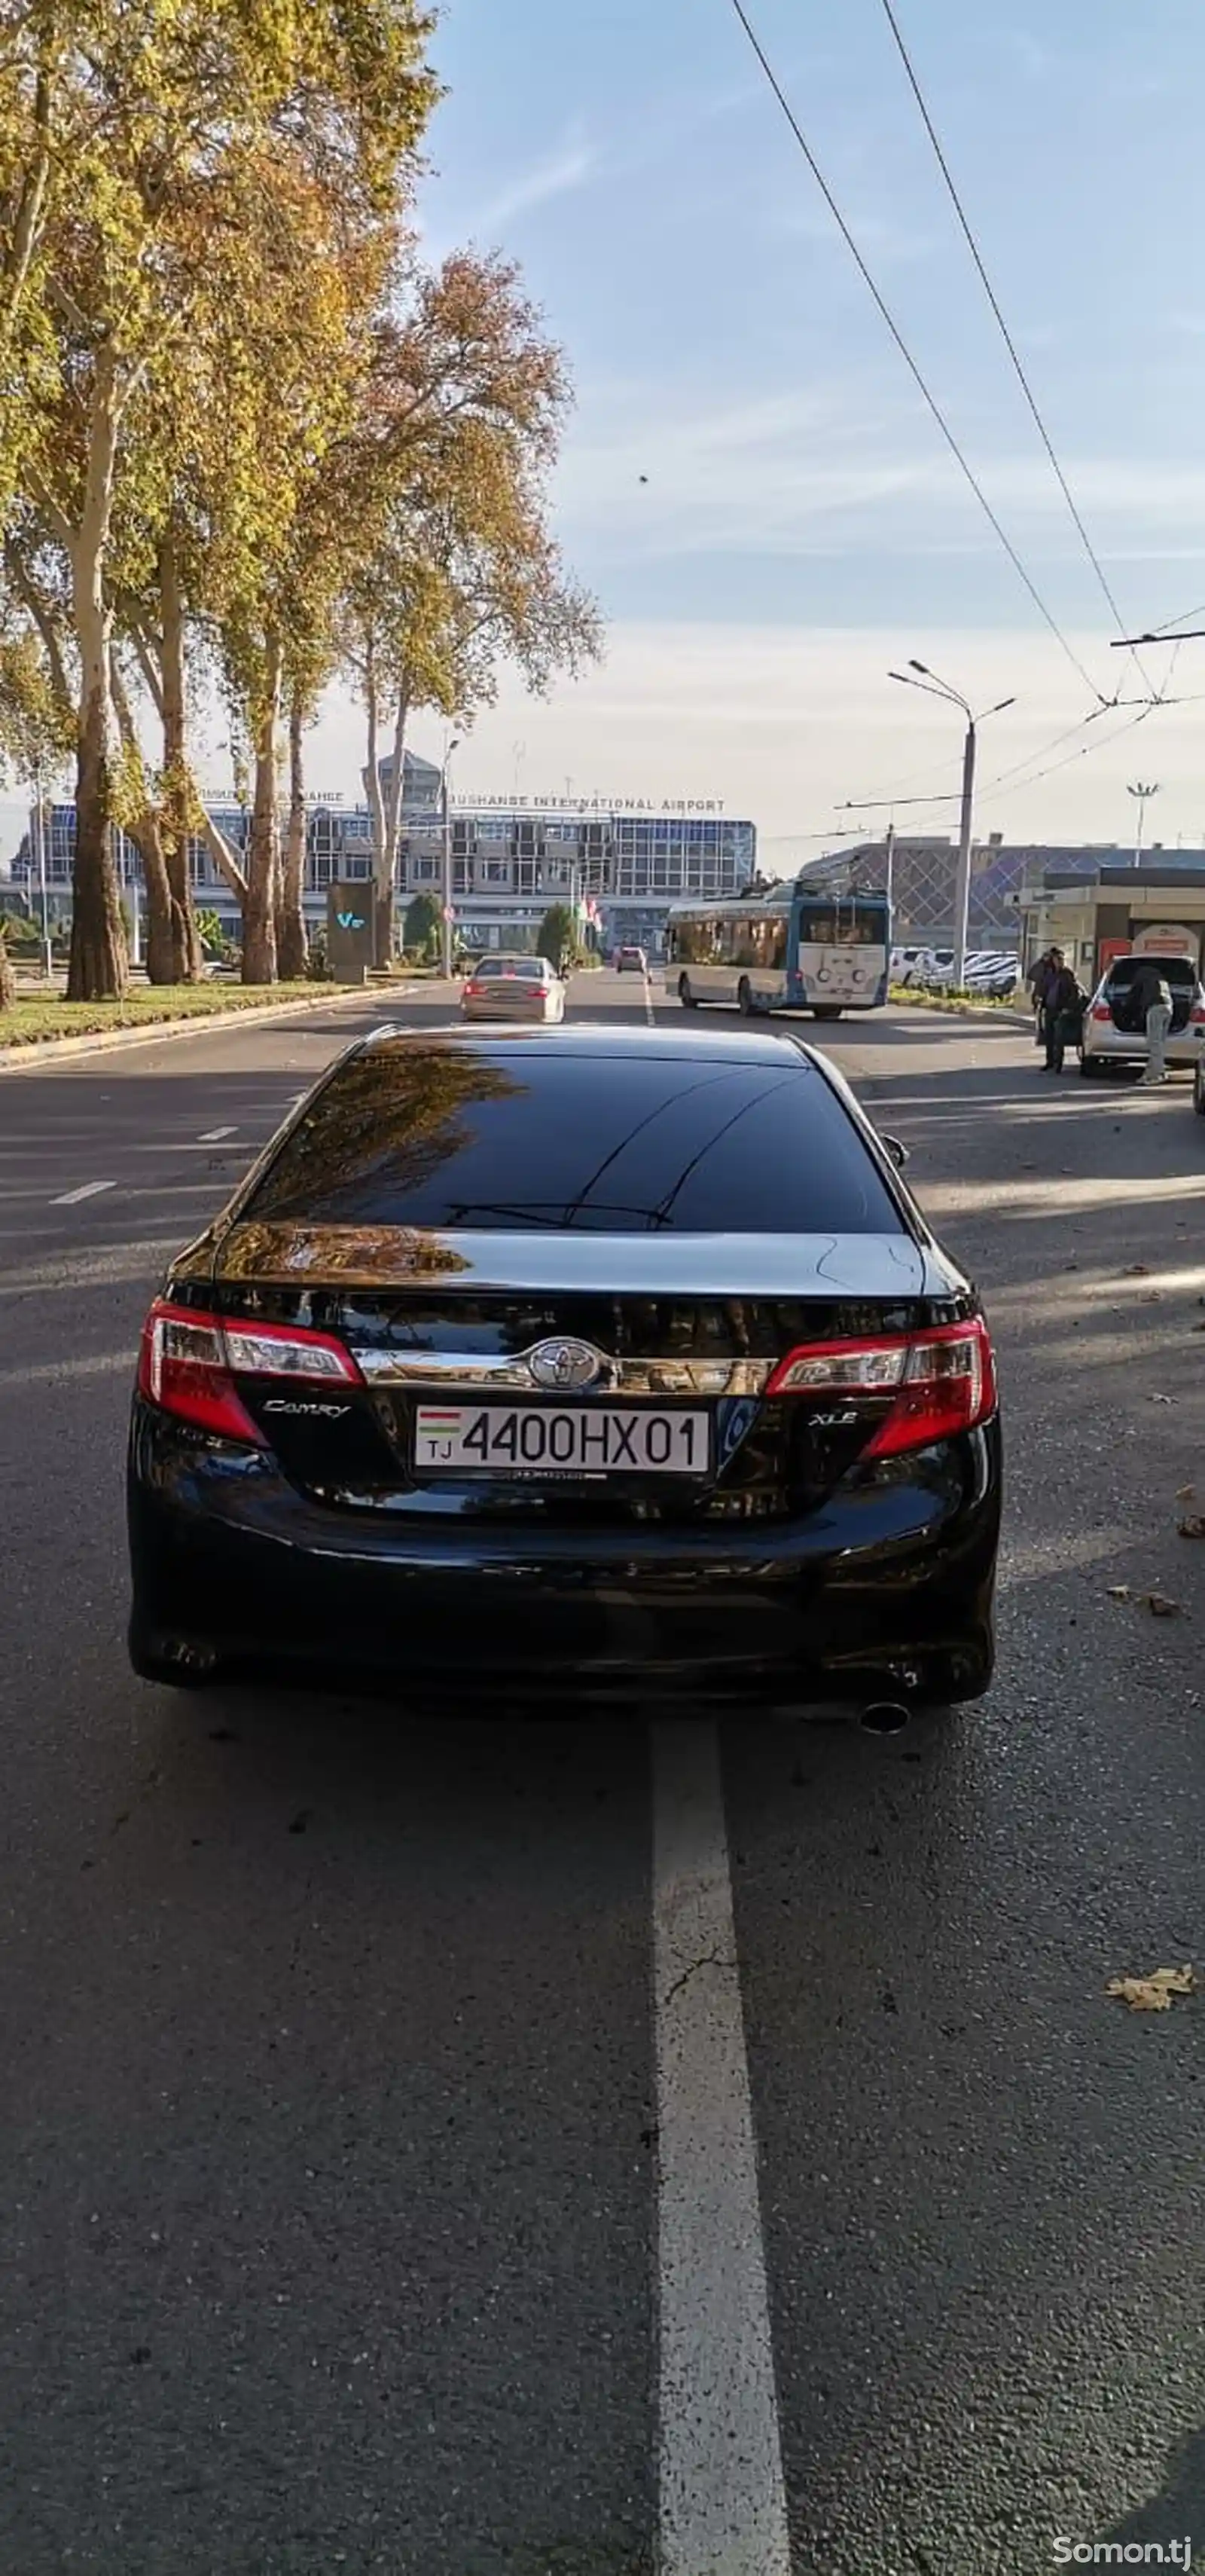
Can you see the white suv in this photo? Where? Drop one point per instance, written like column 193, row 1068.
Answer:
column 1114, row 1031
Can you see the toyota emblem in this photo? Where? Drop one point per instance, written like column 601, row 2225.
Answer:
column 566, row 1366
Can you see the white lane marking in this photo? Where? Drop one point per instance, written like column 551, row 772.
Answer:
column 214, row 1135
column 722, row 2499
column 40, row 1372
column 648, row 1002
column 89, row 1190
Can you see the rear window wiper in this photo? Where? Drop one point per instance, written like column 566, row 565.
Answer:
column 560, row 1214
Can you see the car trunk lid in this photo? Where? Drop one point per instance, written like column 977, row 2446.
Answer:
column 679, row 1326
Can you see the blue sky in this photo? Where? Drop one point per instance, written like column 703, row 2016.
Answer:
column 802, row 525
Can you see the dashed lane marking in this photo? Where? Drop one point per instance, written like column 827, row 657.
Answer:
column 87, row 1190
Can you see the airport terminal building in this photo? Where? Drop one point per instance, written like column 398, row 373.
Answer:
column 511, row 858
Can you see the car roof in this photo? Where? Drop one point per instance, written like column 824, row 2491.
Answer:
column 594, row 1039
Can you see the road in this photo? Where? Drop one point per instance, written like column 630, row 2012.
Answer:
column 331, row 2117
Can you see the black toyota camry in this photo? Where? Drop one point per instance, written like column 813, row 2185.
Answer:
column 598, row 1361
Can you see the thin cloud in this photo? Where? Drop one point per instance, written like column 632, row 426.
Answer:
column 1035, row 59
column 556, row 175
column 886, row 241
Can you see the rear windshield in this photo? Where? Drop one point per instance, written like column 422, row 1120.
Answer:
column 451, row 1136
column 536, row 969
column 1174, row 970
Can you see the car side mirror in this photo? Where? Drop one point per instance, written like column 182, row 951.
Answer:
column 897, row 1150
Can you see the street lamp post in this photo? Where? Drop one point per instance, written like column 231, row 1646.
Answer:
column 936, row 688
column 1142, row 796
column 445, row 924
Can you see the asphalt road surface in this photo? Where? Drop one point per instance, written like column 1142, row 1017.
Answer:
column 577, row 2148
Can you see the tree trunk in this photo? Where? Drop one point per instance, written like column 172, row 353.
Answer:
column 376, row 808
column 292, row 946
column 145, row 831
column 391, row 815
column 177, row 800
column 8, row 981
column 263, row 855
column 147, row 838
column 98, row 965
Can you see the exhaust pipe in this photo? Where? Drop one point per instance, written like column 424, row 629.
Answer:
column 884, row 1717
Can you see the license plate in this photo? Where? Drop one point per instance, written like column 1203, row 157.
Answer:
column 583, row 1440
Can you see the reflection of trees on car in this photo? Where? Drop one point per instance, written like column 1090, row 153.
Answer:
column 377, row 1133
column 346, row 1254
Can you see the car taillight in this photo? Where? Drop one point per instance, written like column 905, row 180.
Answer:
column 938, row 1383
column 1101, row 1011
column 188, row 1363
column 1197, row 1014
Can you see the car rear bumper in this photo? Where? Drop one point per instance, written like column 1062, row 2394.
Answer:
column 885, row 1591
column 1123, row 1046
column 515, row 1013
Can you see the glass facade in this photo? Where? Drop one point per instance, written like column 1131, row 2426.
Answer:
column 507, row 866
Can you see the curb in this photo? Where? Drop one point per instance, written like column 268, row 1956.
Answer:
column 984, row 1019
column 43, row 1051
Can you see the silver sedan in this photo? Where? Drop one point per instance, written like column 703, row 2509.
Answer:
column 514, row 988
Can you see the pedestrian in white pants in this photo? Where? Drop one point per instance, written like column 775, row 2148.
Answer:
column 1158, row 1022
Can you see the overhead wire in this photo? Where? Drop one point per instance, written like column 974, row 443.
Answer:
column 910, row 362
column 1006, row 335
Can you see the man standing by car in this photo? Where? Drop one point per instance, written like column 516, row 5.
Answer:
column 1039, row 977
column 1062, row 1009
column 1151, row 1000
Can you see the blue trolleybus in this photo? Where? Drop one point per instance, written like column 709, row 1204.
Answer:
column 785, row 950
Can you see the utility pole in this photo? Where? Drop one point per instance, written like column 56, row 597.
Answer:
column 40, row 826
column 962, row 882
column 938, row 688
column 889, row 868
column 445, row 923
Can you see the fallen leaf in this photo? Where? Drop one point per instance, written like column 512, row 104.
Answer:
column 1186, row 1493
column 1163, row 1399
column 1120, row 1592
column 1161, row 1608
column 1137, row 1270
column 1153, row 1993
column 1192, row 1525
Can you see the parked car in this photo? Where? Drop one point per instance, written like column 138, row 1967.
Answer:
column 1114, row 1030
column 995, row 972
column 513, row 988
column 609, row 1361
column 991, row 971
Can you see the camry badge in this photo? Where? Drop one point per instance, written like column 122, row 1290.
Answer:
column 567, row 1367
